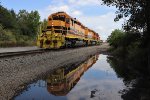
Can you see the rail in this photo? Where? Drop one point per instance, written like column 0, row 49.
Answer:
column 10, row 54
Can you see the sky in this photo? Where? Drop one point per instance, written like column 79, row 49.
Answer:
column 90, row 13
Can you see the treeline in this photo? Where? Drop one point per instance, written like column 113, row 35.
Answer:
column 18, row 29
column 133, row 42
column 129, row 47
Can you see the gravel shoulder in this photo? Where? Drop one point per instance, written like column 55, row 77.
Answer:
column 20, row 70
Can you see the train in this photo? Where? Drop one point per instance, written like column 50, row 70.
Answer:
column 64, row 31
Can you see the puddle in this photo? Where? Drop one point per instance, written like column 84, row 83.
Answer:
column 94, row 79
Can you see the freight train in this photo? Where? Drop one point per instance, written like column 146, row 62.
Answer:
column 64, row 31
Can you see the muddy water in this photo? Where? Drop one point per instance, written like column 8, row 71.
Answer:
column 93, row 79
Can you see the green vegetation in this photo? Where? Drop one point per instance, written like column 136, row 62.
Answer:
column 128, row 46
column 18, row 29
column 132, row 46
column 133, row 42
column 44, row 24
column 124, row 43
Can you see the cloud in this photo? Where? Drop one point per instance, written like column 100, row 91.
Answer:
column 51, row 9
column 85, row 2
column 106, row 89
column 76, row 13
column 103, row 24
column 57, row 8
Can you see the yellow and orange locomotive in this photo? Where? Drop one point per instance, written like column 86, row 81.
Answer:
column 65, row 31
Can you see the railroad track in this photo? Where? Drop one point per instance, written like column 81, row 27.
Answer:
column 10, row 54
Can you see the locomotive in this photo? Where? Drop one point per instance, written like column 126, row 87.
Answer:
column 64, row 31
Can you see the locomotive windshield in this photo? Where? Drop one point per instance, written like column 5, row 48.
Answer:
column 67, row 20
column 60, row 17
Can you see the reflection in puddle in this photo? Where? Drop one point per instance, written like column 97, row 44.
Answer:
column 94, row 79
column 137, row 80
column 61, row 81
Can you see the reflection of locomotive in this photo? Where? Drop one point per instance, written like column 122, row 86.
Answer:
column 61, row 81
column 65, row 31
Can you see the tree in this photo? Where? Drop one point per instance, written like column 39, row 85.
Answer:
column 115, row 38
column 33, row 20
column 136, row 10
column 44, row 24
column 7, row 18
column 139, row 20
column 6, row 35
column 18, row 28
column 28, row 22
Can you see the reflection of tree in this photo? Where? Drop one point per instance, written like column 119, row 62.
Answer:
column 140, row 90
column 138, row 85
column 120, row 67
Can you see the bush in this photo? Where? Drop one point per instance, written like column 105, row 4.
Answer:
column 9, row 39
column 18, row 29
column 120, row 52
